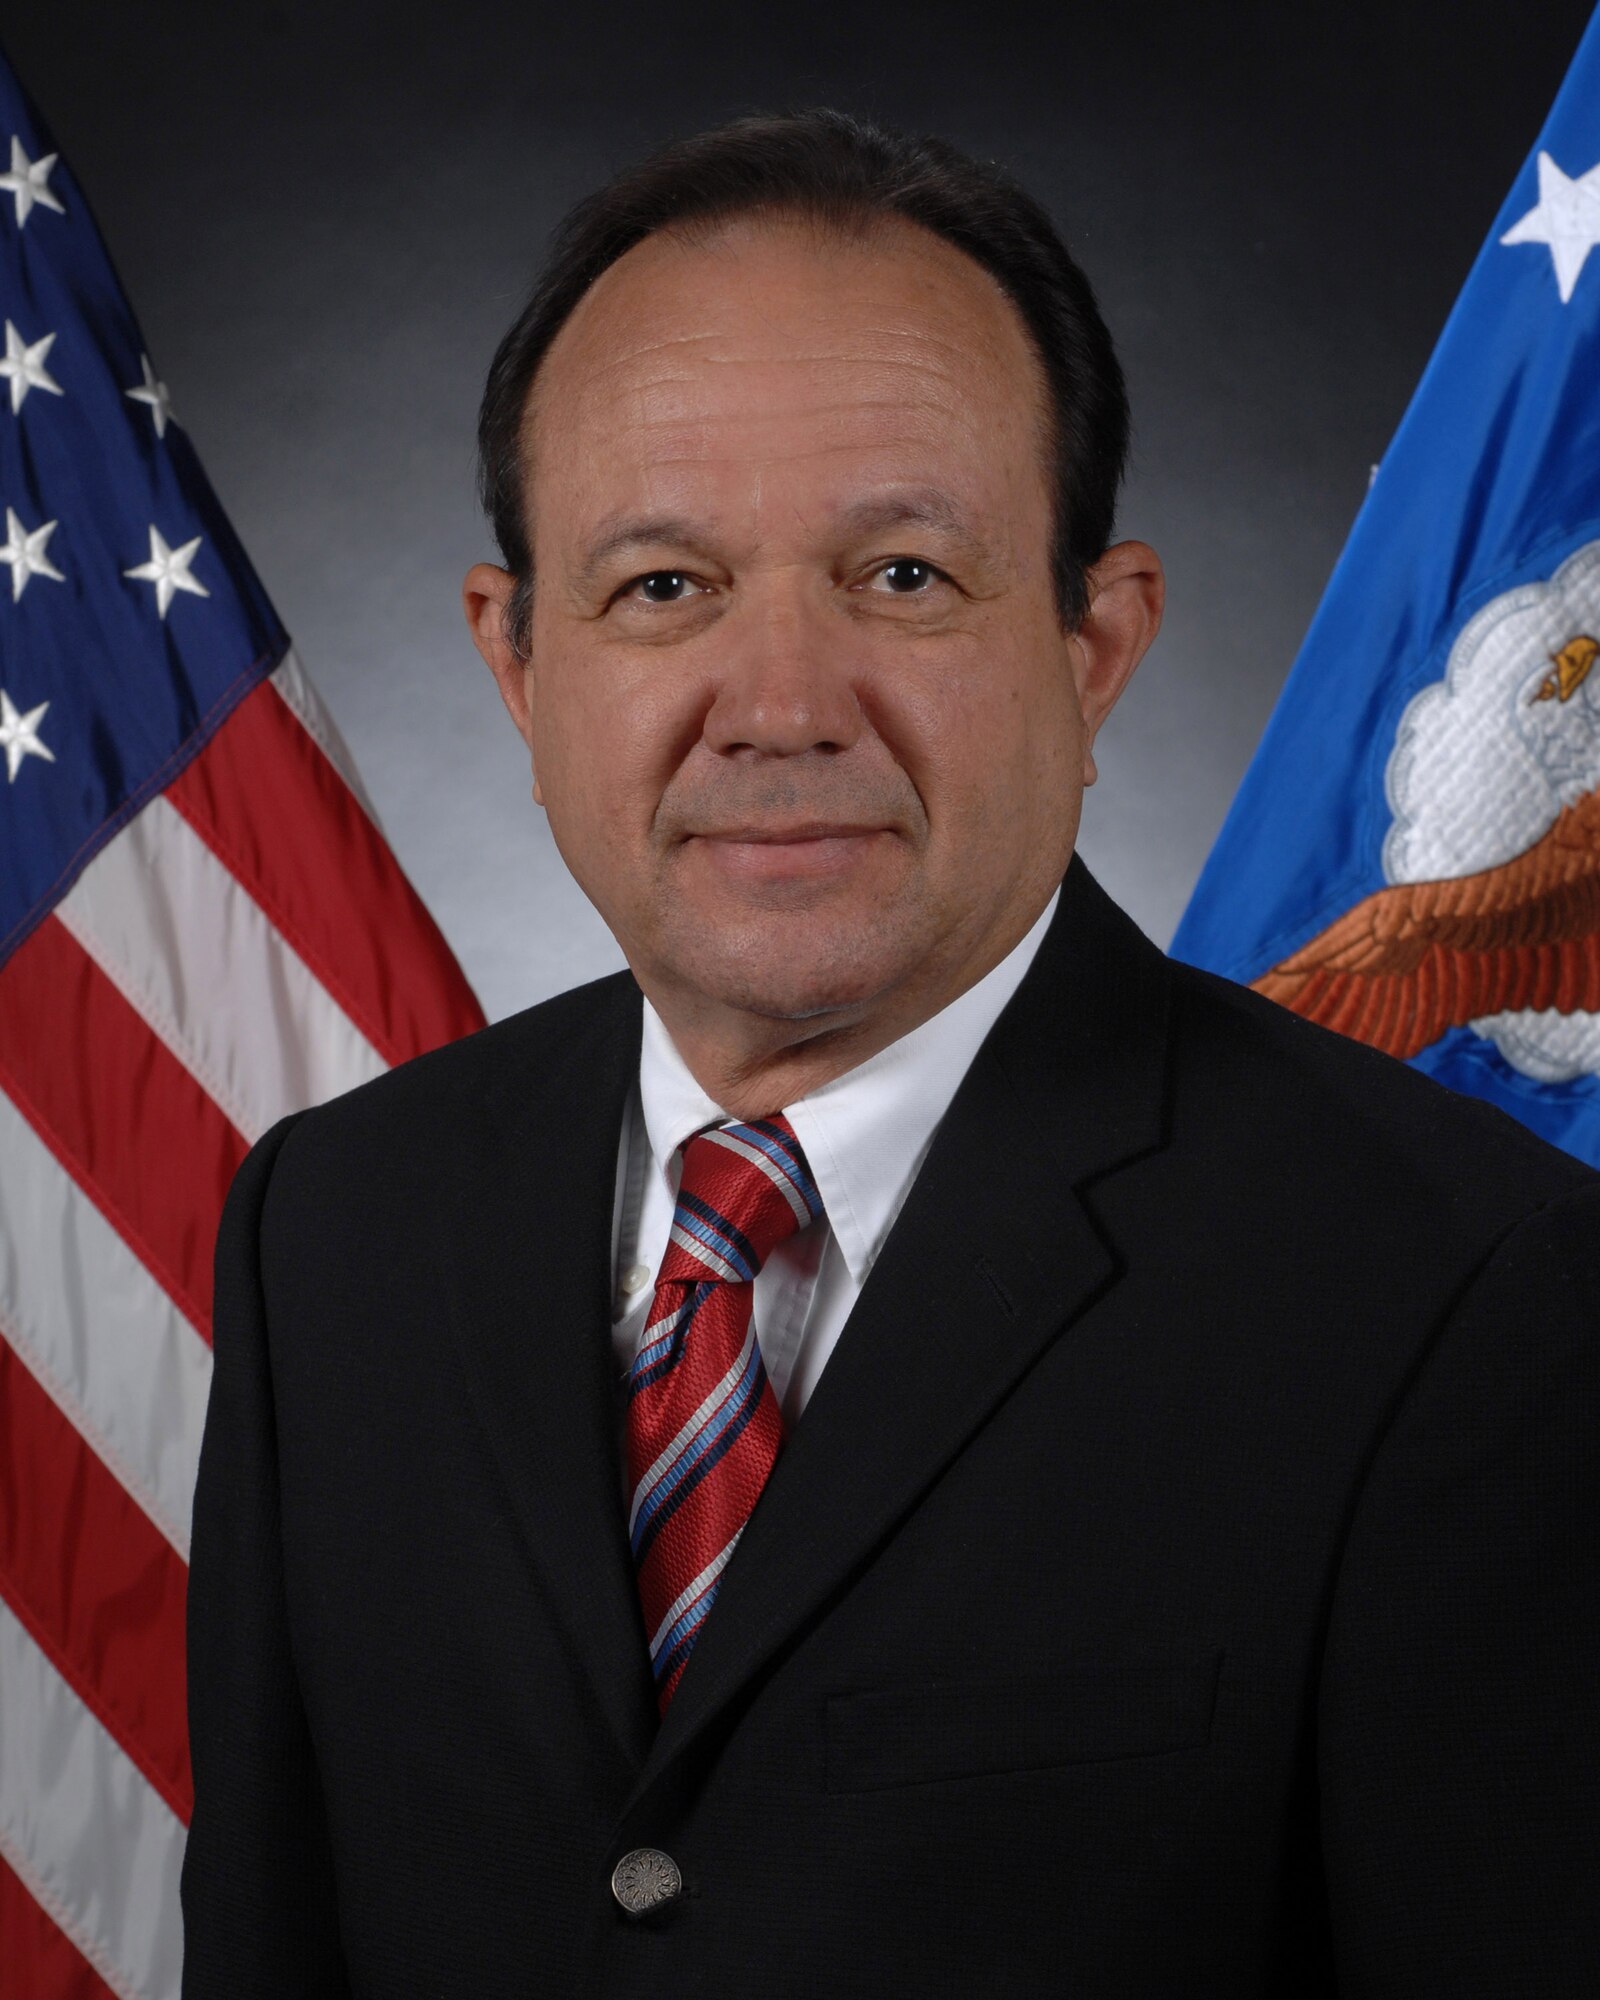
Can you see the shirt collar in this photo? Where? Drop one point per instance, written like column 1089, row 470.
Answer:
column 866, row 1133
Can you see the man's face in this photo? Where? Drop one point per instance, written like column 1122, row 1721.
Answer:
column 802, row 713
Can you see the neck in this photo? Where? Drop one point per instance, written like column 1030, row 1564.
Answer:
column 754, row 1073
column 753, row 1064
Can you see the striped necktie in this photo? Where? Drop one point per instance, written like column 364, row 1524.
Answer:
column 703, row 1426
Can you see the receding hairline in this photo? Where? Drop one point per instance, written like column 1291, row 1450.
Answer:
column 828, row 225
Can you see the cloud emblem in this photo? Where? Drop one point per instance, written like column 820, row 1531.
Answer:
column 1486, row 758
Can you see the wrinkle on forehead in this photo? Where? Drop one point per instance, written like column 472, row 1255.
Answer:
column 676, row 435
column 674, row 378
column 943, row 299
column 874, row 340
column 649, row 356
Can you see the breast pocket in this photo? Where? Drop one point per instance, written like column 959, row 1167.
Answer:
column 922, row 1732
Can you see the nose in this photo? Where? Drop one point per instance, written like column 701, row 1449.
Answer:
column 787, row 686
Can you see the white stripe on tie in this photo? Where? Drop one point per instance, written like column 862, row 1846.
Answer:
column 663, row 1328
column 720, row 1136
column 703, row 1252
column 692, row 1429
column 690, row 1592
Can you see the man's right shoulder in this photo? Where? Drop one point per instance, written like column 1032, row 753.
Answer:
column 432, row 1117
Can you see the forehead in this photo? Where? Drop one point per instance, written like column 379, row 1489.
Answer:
column 773, row 356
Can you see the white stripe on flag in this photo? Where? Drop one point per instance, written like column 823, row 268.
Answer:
column 91, row 1840
column 195, row 955
column 104, row 1340
column 301, row 698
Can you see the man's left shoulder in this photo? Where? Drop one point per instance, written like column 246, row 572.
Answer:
column 1315, row 1112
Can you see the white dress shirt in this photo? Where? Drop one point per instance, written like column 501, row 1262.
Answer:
column 865, row 1136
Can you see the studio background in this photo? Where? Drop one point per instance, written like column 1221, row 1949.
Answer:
column 327, row 214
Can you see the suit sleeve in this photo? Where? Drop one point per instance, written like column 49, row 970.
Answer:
column 258, row 1890
column 1459, row 1713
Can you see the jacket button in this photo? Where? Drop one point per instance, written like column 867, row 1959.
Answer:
column 645, row 1879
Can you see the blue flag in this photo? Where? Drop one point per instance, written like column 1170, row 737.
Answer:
column 1414, row 854
column 131, row 621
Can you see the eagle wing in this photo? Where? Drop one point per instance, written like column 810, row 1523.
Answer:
column 1413, row 960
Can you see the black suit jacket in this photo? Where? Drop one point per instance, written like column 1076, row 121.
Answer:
column 1182, row 1582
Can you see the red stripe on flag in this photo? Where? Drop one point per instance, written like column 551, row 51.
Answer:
column 133, row 1127
column 38, row 1961
column 278, row 815
column 95, row 1582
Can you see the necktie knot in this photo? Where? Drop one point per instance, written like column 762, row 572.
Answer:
column 745, row 1188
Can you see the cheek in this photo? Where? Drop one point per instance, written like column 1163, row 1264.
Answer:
column 608, row 733
column 985, row 733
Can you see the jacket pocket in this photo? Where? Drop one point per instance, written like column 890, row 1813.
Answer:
column 925, row 1731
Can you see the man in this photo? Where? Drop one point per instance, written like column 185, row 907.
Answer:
column 935, row 1452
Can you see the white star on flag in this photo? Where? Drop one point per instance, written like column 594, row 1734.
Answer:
column 24, row 366
column 24, row 550
column 28, row 182
column 1566, row 221
column 19, row 735
column 168, row 570
column 155, row 394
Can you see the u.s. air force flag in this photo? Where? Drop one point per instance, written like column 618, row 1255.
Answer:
column 1414, row 855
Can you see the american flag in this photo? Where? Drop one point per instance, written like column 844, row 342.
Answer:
column 201, row 928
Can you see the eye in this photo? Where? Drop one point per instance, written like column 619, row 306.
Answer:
column 906, row 576
column 663, row 586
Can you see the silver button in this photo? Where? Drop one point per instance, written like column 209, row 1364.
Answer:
column 644, row 1879
column 635, row 1278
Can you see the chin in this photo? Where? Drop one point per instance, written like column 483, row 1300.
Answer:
column 793, row 969
column 793, row 994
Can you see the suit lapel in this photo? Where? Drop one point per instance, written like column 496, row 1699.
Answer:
column 994, row 1254
column 531, row 1315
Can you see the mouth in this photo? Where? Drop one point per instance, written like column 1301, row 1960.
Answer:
column 807, row 850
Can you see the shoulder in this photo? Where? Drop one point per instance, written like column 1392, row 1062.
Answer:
column 1306, row 1103
column 438, row 1116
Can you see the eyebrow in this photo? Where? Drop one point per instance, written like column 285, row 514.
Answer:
column 620, row 532
column 918, row 507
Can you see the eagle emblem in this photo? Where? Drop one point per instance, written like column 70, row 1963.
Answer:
column 1490, row 916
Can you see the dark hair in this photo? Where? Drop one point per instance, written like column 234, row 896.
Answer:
column 843, row 173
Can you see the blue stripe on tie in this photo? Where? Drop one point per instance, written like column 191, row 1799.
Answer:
column 721, row 1432
column 699, row 1454
column 713, row 1417
column 717, row 1220
column 663, row 1355
column 689, row 1617
column 706, row 1224
column 668, row 1661
column 783, row 1153
column 644, row 1372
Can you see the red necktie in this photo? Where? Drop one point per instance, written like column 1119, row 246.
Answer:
column 703, row 1425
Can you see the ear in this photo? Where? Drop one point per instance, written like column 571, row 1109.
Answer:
column 1127, row 589
column 485, row 596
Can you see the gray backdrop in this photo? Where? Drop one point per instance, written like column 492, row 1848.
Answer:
column 327, row 213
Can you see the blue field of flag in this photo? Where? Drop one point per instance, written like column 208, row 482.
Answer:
column 131, row 621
